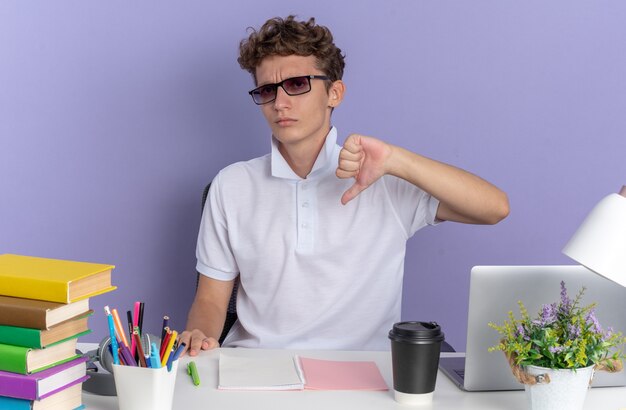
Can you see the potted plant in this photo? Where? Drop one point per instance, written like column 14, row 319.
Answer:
column 555, row 354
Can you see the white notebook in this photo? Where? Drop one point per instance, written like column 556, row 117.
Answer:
column 244, row 373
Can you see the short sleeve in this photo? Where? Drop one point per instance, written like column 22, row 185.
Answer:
column 415, row 208
column 214, row 254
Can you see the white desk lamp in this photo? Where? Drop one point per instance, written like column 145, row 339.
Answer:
column 599, row 244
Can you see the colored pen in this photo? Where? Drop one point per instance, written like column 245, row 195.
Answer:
column 192, row 370
column 155, row 363
column 129, row 319
column 174, row 357
column 135, row 323
column 128, row 357
column 141, row 307
column 168, row 349
column 116, row 359
column 118, row 327
column 145, row 344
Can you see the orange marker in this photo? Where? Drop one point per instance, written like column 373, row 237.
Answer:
column 118, row 327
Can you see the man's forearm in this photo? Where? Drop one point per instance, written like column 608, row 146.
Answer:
column 206, row 317
column 463, row 197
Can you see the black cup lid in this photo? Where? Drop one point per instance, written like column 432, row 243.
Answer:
column 416, row 332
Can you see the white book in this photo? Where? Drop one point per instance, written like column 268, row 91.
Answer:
column 245, row 373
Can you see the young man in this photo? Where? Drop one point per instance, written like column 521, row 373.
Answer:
column 316, row 233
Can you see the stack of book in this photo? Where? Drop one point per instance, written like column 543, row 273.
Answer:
column 44, row 308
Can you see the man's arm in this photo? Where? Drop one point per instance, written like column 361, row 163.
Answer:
column 207, row 315
column 463, row 197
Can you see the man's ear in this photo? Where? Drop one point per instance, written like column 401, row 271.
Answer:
column 335, row 93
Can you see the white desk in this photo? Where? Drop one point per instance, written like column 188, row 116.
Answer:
column 447, row 395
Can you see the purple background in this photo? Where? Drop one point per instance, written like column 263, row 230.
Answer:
column 114, row 115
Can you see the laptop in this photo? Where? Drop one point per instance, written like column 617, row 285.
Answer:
column 495, row 290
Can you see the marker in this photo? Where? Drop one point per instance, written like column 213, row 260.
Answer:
column 155, row 363
column 118, row 326
column 129, row 319
column 174, row 356
column 116, row 359
column 141, row 308
column 135, row 317
column 192, row 370
column 128, row 357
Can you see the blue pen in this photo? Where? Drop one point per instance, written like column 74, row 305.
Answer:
column 155, row 362
column 114, row 347
column 174, row 356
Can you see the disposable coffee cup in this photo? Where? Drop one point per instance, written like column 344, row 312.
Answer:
column 144, row 388
column 415, row 348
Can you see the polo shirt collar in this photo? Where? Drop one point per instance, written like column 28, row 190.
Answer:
column 325, row 159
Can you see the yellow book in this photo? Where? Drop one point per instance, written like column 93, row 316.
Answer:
column 54, row 280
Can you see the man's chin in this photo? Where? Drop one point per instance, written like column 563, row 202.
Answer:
column 286, row 136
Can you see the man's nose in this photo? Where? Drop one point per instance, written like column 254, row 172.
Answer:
column 282, row 98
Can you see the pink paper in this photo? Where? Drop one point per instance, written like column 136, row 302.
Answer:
column 338, row 375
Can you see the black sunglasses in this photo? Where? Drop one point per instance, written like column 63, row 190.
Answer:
column 292, row 86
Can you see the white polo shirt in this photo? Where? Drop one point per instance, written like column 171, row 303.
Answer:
column 314, row 274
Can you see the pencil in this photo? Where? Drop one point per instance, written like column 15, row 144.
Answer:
column 142, row 359
column 164, row 342
column 166, row 321
column 168, row 349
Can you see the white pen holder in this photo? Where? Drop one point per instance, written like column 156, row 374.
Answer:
column 142, row 388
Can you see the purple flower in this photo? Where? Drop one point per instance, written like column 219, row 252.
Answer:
column 607, row 335
column 548, row 314
column 556, row 349
column 593, row 323
column 573, row 331
column 565, row 302
column 520, row 331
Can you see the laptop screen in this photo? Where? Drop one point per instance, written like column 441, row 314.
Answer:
column 495, row 290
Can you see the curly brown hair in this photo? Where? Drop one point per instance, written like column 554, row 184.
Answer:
column 286, row 37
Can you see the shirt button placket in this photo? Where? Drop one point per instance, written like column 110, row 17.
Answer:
column 305, row 227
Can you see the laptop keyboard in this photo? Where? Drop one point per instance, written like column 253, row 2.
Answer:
column 460, row 373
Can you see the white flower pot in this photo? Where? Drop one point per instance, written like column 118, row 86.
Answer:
column 567, row 388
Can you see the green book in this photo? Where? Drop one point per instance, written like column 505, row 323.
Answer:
column 25, row 360
column 40, row 338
